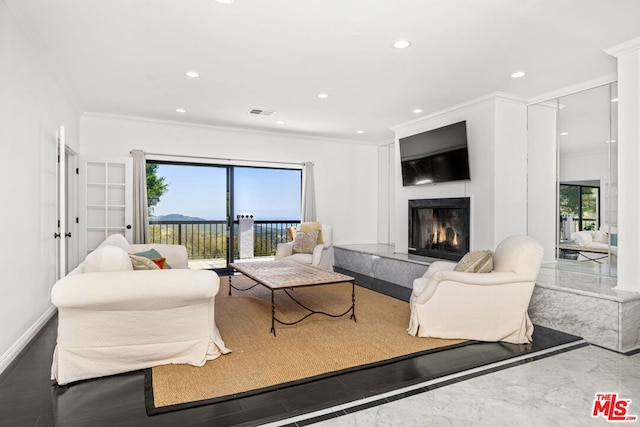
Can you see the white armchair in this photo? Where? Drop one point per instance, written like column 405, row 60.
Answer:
column 322, row 255
column 479, row 306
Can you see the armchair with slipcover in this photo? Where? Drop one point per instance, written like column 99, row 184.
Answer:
column 317, row 254
column 479, row 306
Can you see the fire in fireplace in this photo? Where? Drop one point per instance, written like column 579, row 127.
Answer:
column 439, row 228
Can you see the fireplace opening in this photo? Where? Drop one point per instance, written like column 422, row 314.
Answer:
column 439, row 228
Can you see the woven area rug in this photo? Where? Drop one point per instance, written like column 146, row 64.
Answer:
column 318, row 347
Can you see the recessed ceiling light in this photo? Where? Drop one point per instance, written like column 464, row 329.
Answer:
column 192, row 74
column 225, row 1
column 614, row 100
column 359, row 131
column 564, row 133
column 280, row 122
column 417, row 110
column 401, row 44
column 518, row 74
column 323, row 95
column 180, row 110
column 610, row 141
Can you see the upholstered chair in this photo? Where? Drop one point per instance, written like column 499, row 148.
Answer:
column 488, row 306
column 317, row 253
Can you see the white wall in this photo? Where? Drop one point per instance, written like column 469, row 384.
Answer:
column 497, row 141
column 510, row 169
column 584, row 166
column 386, row 203
column 541, row 183
column 346, row 174
column 32, row 108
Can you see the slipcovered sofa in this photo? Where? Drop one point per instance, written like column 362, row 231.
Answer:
column 597, row 240
column 114, row 319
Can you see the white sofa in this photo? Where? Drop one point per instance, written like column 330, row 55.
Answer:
column 597, row 240
column 113, row 319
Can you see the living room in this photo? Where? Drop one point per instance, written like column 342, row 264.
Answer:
column 358, row 186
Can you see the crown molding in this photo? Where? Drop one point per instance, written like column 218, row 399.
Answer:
column 412, row 125
column 569, row 90
column 624, row 48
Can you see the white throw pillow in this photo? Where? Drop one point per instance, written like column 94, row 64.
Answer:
column 116, row 240
column 600, row 237
column 582, row 237
column 107, row 258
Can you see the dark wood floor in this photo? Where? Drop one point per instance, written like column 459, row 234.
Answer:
column 29, row 398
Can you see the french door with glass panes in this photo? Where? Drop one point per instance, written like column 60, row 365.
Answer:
column 107, row 198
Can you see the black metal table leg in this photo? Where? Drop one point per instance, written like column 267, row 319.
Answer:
column 273, row 315
column 353, row 301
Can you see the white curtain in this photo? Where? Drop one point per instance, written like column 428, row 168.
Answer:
column 308, row 193
column 140, row 207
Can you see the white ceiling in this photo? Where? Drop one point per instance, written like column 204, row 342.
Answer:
column 128, row 57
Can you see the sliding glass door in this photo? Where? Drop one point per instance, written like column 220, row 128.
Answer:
column 188, row 205
column 196, row 205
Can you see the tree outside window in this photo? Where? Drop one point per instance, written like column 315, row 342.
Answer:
column 582, row 204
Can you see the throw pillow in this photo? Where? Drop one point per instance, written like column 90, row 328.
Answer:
column 154, row 256
column 312, row 226
column 600, row 237
column 142, row 263
column 107, row 258
column 304, row 242
column 291, row 233
column 116, row 240
column 476, row 262
column 161, row 263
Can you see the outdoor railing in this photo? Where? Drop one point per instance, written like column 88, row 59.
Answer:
column 208, row 239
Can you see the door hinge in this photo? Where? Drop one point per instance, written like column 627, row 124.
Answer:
column 77, row 220
column 77, row 171
column 58, row 223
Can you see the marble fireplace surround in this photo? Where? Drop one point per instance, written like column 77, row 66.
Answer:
column 578, row 303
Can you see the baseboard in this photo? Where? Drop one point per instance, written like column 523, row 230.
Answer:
column 14, row 351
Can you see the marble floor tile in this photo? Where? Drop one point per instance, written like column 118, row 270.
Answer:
column 557, row 390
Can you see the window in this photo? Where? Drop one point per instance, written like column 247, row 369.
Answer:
column 581, row 205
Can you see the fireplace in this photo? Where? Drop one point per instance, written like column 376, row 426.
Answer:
column 439, row 228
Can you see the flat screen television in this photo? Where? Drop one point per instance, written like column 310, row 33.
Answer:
column 438, row 155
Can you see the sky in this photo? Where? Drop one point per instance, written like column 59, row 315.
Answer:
column 200, row 191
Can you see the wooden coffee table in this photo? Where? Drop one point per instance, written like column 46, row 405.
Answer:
column 285, row 275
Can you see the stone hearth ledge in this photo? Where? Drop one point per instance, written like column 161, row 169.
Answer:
column 582, row 304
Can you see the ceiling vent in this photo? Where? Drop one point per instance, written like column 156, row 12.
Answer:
column 261, row 112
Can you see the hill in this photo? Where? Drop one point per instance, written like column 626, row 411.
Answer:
column 176, row 218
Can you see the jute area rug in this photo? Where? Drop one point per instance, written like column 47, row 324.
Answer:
column 319, row 346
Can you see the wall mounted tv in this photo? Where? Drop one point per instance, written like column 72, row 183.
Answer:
column 438, row 155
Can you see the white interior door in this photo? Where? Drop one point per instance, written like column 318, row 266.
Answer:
column 106, row 200
column 61, row 206
column 72, row 234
